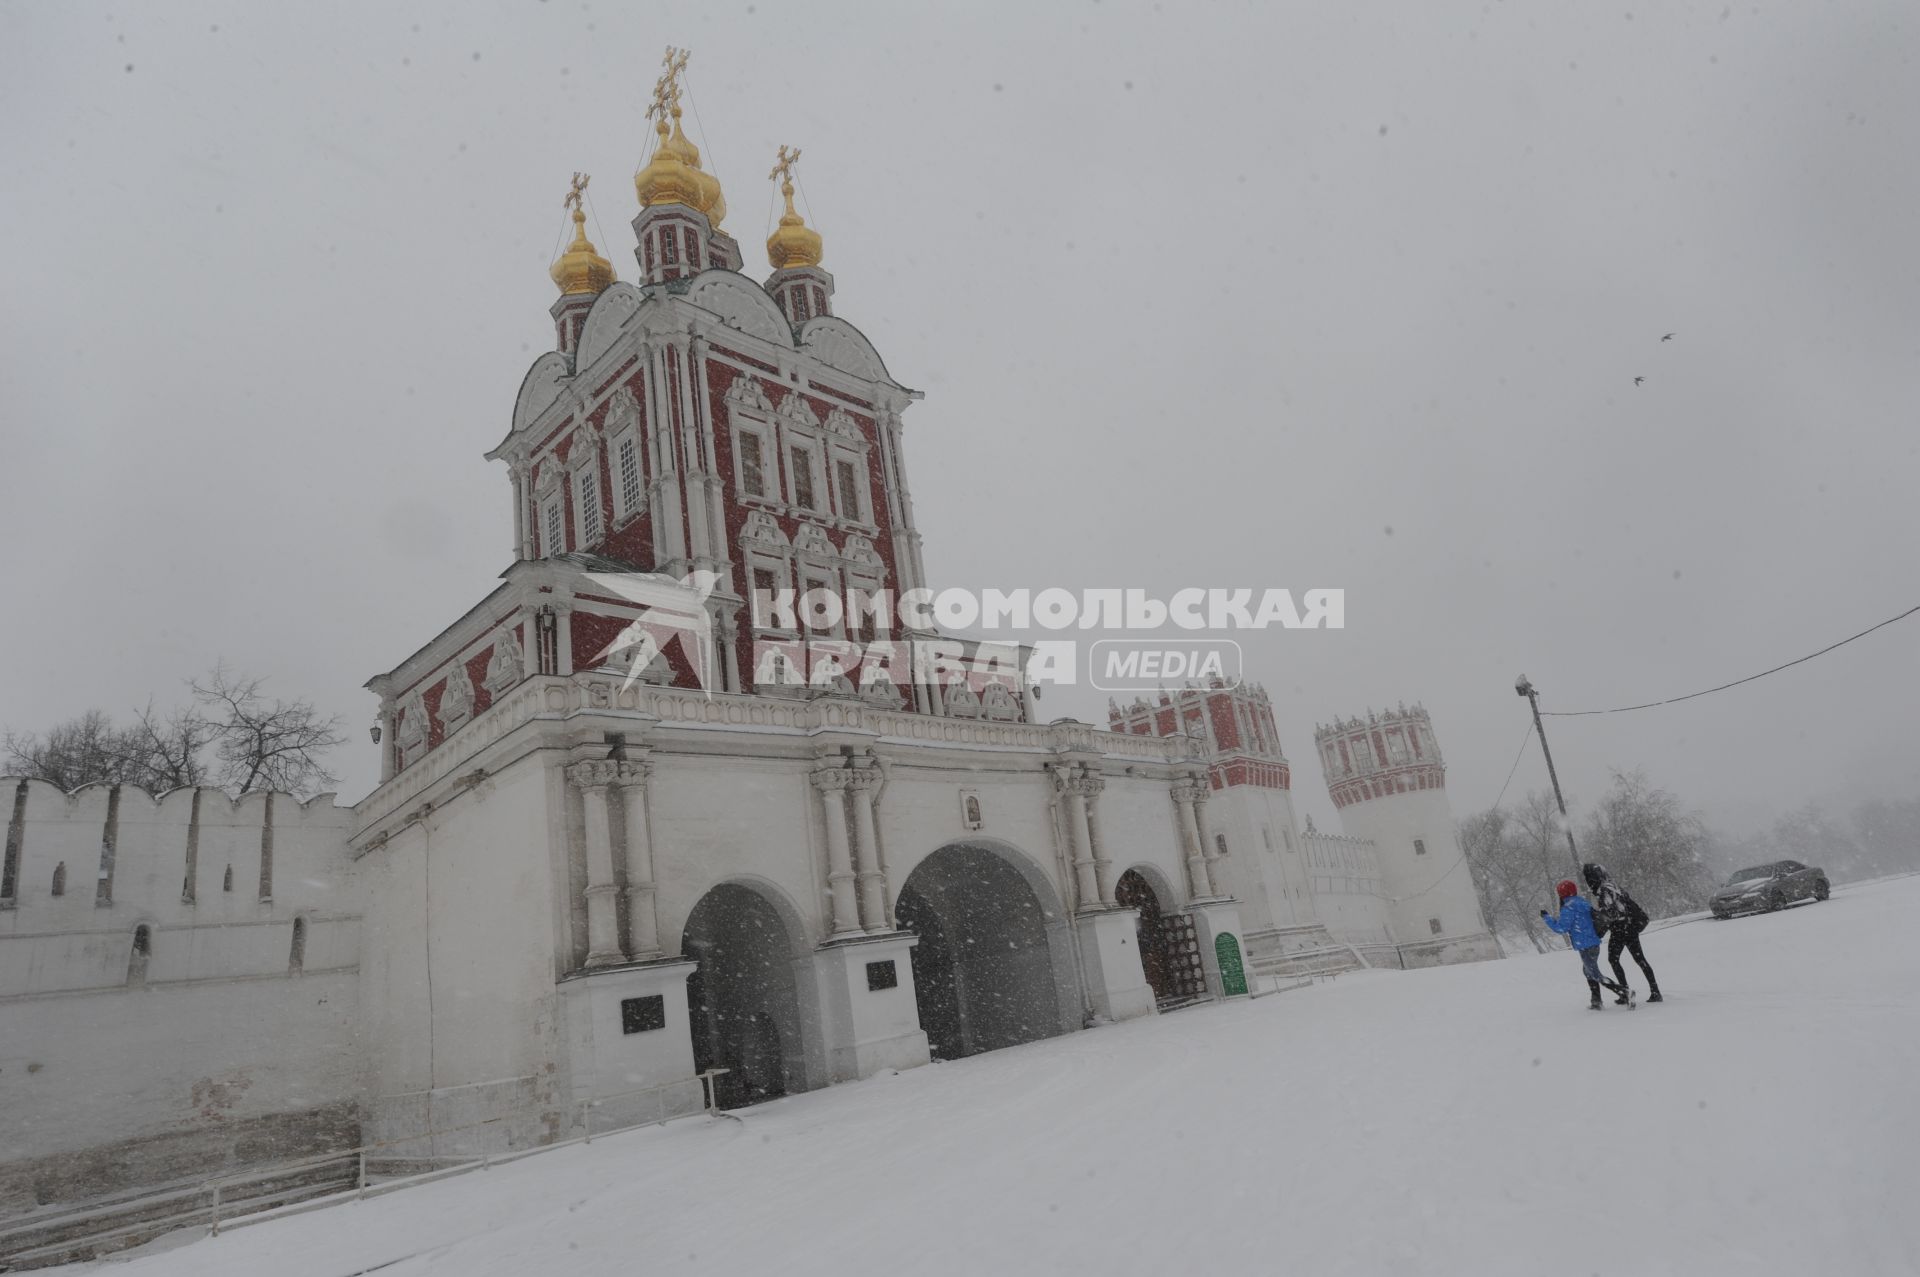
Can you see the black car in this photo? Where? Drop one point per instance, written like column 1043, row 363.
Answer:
column 1766, row 887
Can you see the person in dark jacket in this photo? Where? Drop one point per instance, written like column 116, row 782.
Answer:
column 1625, row 921
column 1575, row 921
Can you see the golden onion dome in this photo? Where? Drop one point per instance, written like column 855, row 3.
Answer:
column 674, row 175
column 793, row 242
column 581, row 269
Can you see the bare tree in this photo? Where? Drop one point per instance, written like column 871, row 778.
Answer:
column 77, row 752
column 256, row 742
column 1516, row 857
column 1505, row 875
column 1653, row 846
column 165, row 754
column 263, row 743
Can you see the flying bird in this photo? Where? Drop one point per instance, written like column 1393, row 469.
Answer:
column 1668, row 337
column 1638, row 380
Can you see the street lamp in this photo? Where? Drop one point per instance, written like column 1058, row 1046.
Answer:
column 1527, row 689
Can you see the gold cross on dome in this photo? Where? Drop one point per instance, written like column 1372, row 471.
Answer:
column 579, row 188
column 783, row 171
column 666, row 90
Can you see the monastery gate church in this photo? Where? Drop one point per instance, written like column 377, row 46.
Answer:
column 594, row 870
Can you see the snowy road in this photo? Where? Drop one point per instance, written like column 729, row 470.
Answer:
column 1469, row 1120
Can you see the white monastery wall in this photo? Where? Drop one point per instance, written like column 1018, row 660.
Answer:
column 1424, row 885
column 466, row 932
column 156, row 1022
column 1344, row 876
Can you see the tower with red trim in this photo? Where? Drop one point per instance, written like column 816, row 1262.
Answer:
column 1251, row 815
column 1387, row 777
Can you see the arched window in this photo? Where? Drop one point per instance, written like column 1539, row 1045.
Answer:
column 226, row 883
column 298, row 957
column 60, row 879
column 142, row 951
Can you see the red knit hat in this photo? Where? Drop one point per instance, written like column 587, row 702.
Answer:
column 1566, row 888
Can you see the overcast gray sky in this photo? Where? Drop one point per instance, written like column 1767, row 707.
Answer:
column 1293, row 295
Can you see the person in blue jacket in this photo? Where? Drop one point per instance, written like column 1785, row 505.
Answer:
column 1575, row 921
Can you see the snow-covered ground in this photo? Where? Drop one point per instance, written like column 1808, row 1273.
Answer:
column 1474, row 1120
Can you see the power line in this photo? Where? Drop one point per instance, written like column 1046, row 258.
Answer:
column 1675, row 700
column 1463, row 850
column 1516, row 762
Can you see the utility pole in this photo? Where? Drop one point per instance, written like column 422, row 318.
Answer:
column 1527, row 689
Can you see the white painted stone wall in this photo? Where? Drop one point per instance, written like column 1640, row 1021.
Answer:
column 467, row 934
column 1344, row 874
column 1423, row 886
column 216, row 1047
column 1267, row 869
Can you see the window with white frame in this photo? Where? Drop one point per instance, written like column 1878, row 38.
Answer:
column 587, row 503
column 800, row 476
column 626, row 460
column 555, row 521
column 847, row 485
column 753, row 463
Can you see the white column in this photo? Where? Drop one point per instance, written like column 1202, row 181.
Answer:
column 864, row 782
column 832, row 784
column 693, row 449
column 1198, row 888
column 520, row 548
column 1102, row 864
column 1086, row 883
column 1216, row 874
column 643, row 920
column 603, row 932
column 562, row 637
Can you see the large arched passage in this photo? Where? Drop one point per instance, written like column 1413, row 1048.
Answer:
column 989, row 969
column 743, row 1003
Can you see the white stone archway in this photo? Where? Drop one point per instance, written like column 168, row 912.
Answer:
column 995, row 965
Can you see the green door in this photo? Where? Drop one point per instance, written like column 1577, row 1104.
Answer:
column 1233, row 976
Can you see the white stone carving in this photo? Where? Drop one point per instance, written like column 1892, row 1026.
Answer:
column 840, row 422
column 623, row 411
column 798, row 413
column 747, row 392
column 412, row 728
column 761, row 529
column 812, row 540
column 860, row 550
column 962, row 702
column 456, row 699
column 998, row 704
column 505, row 665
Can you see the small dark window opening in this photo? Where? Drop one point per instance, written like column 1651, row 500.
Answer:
column 1433, row 925
column 882, row 975
column 60, row 879
column 142, row 951
column 849, row 490
column 297, row 958
column 226, row 883
column 1220, row 843
column 1419, row 846
column 638, row 1015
